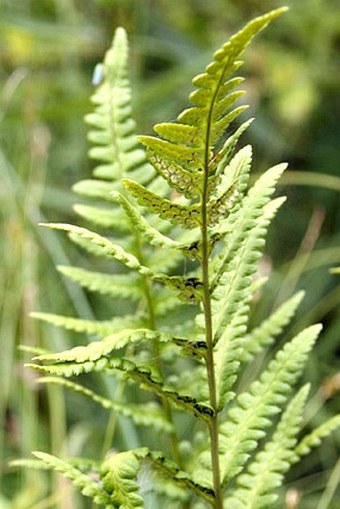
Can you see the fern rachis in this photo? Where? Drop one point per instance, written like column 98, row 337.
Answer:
column 199, row 208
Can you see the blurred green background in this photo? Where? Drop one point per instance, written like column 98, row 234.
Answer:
column 48, row 52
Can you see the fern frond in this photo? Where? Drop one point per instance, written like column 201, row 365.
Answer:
column 232, row 296
column 29, row 463
column 250, row 416
column 144, row 375
column 178, row 477
column 118, row 475
column 87, row 486
column 264, row 335
column 92, row 188
column 198, row 183
column 103, row 245
column 314, row 438
column 223, row 157
column 116, row 285
column 91, row 327
column 265, row 473
column 98, row 349
column 188, row 216
column 228, row 187
column 113, row 128
column 189, row 288
column 245, row 220
column 201, row 126
column 103, row 217
column 150, row 233
column 148, row 414
column 177, row 177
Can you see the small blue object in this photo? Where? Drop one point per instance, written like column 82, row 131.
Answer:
column 98, row 74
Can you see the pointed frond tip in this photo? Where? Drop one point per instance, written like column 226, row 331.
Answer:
column 314, row 438
column 187, row 142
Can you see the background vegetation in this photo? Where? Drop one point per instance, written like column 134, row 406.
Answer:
column 48, row 51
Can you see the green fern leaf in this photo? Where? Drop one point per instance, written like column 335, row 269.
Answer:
column 116, row 285
column 250, row 416
column 188, row 216
column 247, row 218
column 314, row 438
column 222, row 159
column 95, row 189
column 234, row 175
column 188, row 287
column 177, row 177
column 200, row 127
column 71, row 365
column 85, row 483
column 265, row 473
column 148, row 414
column 113, row 128
column 97, row 327
column 266, row 332
column 151, row 234
column 102, row 245
column 178, row 477
column 103, row 217
column 118, row 475
column 231, row 298
column 98, row 349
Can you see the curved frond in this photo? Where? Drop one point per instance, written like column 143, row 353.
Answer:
column 88, row 487
column 102, row 245
column 189, row 288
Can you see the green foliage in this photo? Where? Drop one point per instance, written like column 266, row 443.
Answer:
column 115, row 486
column 200, row 207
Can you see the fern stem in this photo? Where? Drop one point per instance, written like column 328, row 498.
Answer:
column 213, row 425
